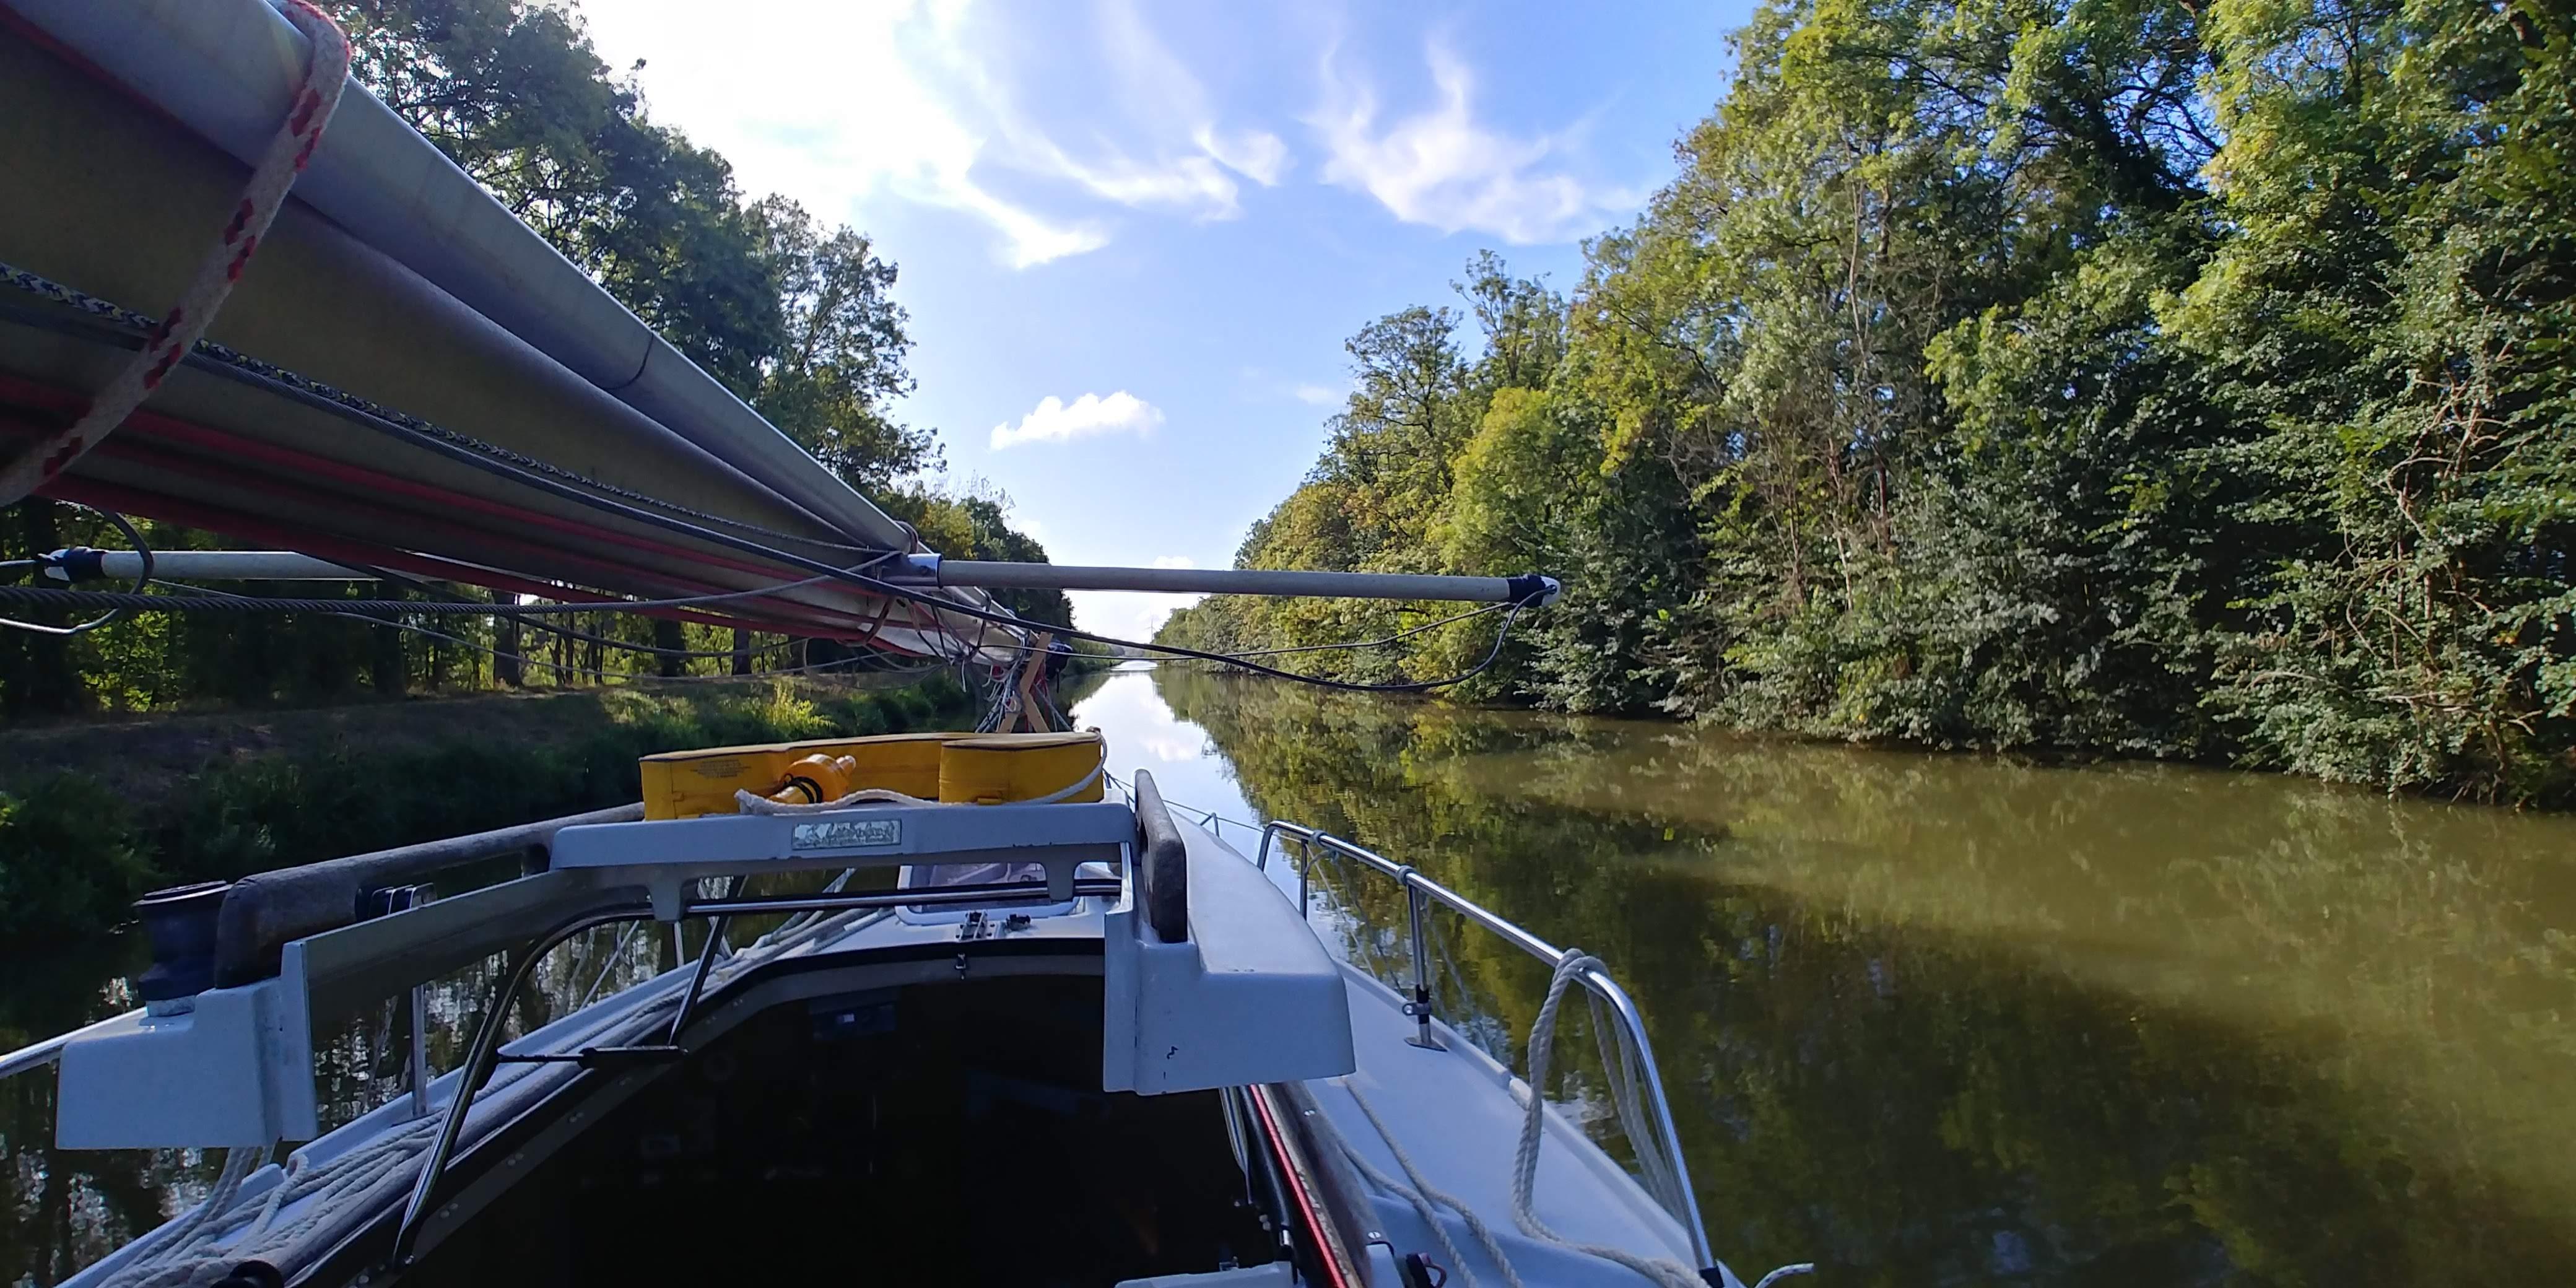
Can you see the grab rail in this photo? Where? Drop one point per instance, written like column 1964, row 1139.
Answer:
column 1419, row 890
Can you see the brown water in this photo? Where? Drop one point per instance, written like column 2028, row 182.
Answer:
column 1946, row 1019
column 1925, row 1020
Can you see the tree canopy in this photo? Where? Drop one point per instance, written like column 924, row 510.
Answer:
column 794, row 314
column 2149, row 377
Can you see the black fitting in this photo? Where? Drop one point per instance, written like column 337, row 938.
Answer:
column 180, row 922
column 1529, row 588
column 77, row 563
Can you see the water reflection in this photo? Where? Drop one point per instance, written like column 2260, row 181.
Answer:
column 1925, row 1019
column 68, row 1208
column 1944, row 1019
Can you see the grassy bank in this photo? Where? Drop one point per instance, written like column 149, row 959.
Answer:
column 93, row 815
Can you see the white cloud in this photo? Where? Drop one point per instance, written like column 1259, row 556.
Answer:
column 1317, row 395
column 1175, row 561
column 1257, row 155
column 869, row 100
column 1442, row 168
column 1186, row 169
column 1054, row 420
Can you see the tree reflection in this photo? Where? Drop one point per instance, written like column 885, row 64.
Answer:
column 1946, row 1019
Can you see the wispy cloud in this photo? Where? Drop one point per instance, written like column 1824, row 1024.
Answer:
column 890, row 98
column 1317, row 395
column 1183, row 158
column 1054, row 420
column 1444, row 169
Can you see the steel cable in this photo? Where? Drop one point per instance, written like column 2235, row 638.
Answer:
column 383, row 422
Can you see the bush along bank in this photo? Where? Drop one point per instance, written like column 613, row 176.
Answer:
column 77, row 845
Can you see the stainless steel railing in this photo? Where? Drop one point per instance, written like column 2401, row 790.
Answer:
column 1419, row 893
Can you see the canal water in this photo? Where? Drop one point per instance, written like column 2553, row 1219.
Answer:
column 1925, row 1020
column 1955, row 1020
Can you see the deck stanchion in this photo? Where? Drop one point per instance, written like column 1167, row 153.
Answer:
column 1419, row 891
column 1417, row 906
column 1305, row 878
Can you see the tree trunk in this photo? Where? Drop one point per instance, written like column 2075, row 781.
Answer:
column 668, row 635
column 506, row 665
column 387, row 669
column 741, row 651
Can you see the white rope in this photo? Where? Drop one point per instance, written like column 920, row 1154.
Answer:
column 1671, row 1274
column 1423, row 1194
column 1075, row 788
column 750, row 803
column 326, row 71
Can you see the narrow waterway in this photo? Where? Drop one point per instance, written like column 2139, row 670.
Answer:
column 1925, row 1019
column 1948, row 1019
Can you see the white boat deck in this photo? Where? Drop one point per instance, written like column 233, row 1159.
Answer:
column 1458, row 1115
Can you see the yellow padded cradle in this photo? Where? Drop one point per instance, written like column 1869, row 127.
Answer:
column 686, row 784
column 991, row 769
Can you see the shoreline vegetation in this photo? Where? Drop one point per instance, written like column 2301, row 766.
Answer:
column 2156, row 380
column 172, row 747
column 93, row 815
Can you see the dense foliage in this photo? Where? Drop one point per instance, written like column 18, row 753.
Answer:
column 2141, row 377
column 80, row 837
column 794, row 316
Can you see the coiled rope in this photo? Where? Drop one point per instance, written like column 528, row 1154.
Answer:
column 1542, row 1043
column 317, row 96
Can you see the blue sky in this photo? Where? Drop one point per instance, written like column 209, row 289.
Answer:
column 1133, row 236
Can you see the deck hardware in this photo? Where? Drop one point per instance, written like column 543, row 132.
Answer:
column 707, row 956
column 1416, row 906
column 483, row 1053
column 1623, row 1010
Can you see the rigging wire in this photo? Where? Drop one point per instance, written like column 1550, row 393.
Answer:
column 236, row 367
column 1380, row 642
column 130, row 330
column 560, row 668
column 539, row 623
column 139, row 602
column 142, row 578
